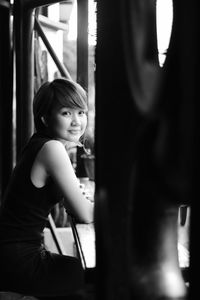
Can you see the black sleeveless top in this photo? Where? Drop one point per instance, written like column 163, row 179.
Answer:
column 25, row 208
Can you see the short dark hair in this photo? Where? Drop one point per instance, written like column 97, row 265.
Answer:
column 61, row 92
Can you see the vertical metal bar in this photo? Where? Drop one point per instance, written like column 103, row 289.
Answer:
column 77, row 243
column 82, row 60
column 6, row 93
column 82, row 43
column 24, row 24
column 56, row 237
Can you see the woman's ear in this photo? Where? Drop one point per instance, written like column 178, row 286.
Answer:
column 44, row 121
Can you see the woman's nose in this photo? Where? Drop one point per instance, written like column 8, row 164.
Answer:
column 75, row 120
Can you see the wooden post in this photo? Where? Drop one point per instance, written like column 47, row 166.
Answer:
column 24, row 24
column 82, row 43
column 6, row 93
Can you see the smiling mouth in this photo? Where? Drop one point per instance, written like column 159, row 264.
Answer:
column 74, row 131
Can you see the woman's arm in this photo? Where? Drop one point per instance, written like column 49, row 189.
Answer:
column 57, row 164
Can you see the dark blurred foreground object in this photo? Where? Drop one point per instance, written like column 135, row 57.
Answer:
column 149, row 113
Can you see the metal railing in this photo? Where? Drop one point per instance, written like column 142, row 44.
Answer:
column 64, row 72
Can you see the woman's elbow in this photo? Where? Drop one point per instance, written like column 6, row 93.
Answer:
column 88, row 220
column 88, row 216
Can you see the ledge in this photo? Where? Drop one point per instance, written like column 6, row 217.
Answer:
column 44, row 21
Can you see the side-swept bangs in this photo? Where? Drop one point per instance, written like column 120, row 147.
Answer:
column 69, row 94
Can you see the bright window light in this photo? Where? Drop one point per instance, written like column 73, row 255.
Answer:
column 72, row 34
column 164, row 17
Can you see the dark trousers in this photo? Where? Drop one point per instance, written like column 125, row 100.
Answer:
column 29, row 269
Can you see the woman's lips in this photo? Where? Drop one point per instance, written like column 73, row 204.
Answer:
column 73, row 131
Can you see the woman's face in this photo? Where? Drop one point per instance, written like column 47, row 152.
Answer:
column 67, row 124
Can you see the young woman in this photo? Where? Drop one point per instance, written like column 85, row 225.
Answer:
column 42, row 177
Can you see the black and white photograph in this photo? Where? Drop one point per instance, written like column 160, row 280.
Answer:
column 99, row 173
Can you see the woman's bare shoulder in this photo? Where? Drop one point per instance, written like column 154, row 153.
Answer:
column 53, row 145
column 53, row 150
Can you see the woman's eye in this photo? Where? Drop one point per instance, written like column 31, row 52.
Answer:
column 66, row 113
column 82, row 112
